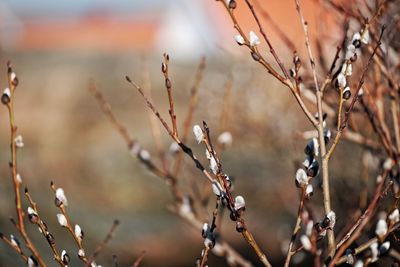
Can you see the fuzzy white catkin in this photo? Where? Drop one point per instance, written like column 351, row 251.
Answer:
column 305, row 241
column 309, row 189
column 31, row 262
column 198, row 133
column 315, row 146
column 61, row 196
column 347, row 69
column 62, row 220
column 341, row 80
column 213, row 165
column 332, row 218
column 18, row 178
column 239, row 39
column 144, row 154
column 365, row 37
column 14, row 241
column 381, row 228
column 63, row 253
column 374, row 251
column 225, row 138
column 31, row 211
column 81, row 253
column 78, row 231
column 7, row 92
column 301, row 177
column 13, row 76
column 253, row 38
column 19, row 141
column 174, row 148
column 217, row 189
column 388, row 164
column 356, row 37
column 351, row 50
column 239, row 202
column 394, row 216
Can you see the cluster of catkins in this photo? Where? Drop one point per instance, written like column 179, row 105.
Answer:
column 304, row 175
column 351, row 54
column 221, row 187
column 310, row 166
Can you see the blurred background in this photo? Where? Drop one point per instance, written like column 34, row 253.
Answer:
column 56, row 47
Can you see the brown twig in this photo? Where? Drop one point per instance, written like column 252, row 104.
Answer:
column 139, row 259
column 296, row 229
column 356, row 96
column 12, row 83
column 271, row 48
column 320, row 128
column 191, row 109
column 168, row 86
column 14, row 247
column 356, row 230
column 104, row 242
column 246, row 234
column 133, row 145
column 78, row 240
column 190, row 217
column 155, row 129
column 43, row 229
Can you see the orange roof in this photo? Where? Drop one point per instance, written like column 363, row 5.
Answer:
column 90, row 33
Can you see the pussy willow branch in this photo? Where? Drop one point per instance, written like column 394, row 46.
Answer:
column 361, row 248
column 44, row 230
column 246, row 234
column 271, row 49
column 320, row 128
column 13, row 165
column 395, row 117
column 268, row 66
column 69, row 227
column 139, row 259
column 104, row 242
column 133, row 143
column 155, row 129
column 356, row 96
column 16, row 248
column 185, row 148
column 206, row 250
column 360, row 224
column 296, row 229
column 168, row 86
column 227, row 250
column 189, row 114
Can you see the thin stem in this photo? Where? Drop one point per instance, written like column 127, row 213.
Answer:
column 285, row 81
column 69, row 226
column 44, row 230
column 296, row 229
column 191, row 109
column 320, row 128
column 356, row 230
column 133, row 145
column 100, row 247
column 246, row 234
column 356, row 96
column 13, row 166
column 271, row 49
column 139, row 259
column 168, row 85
